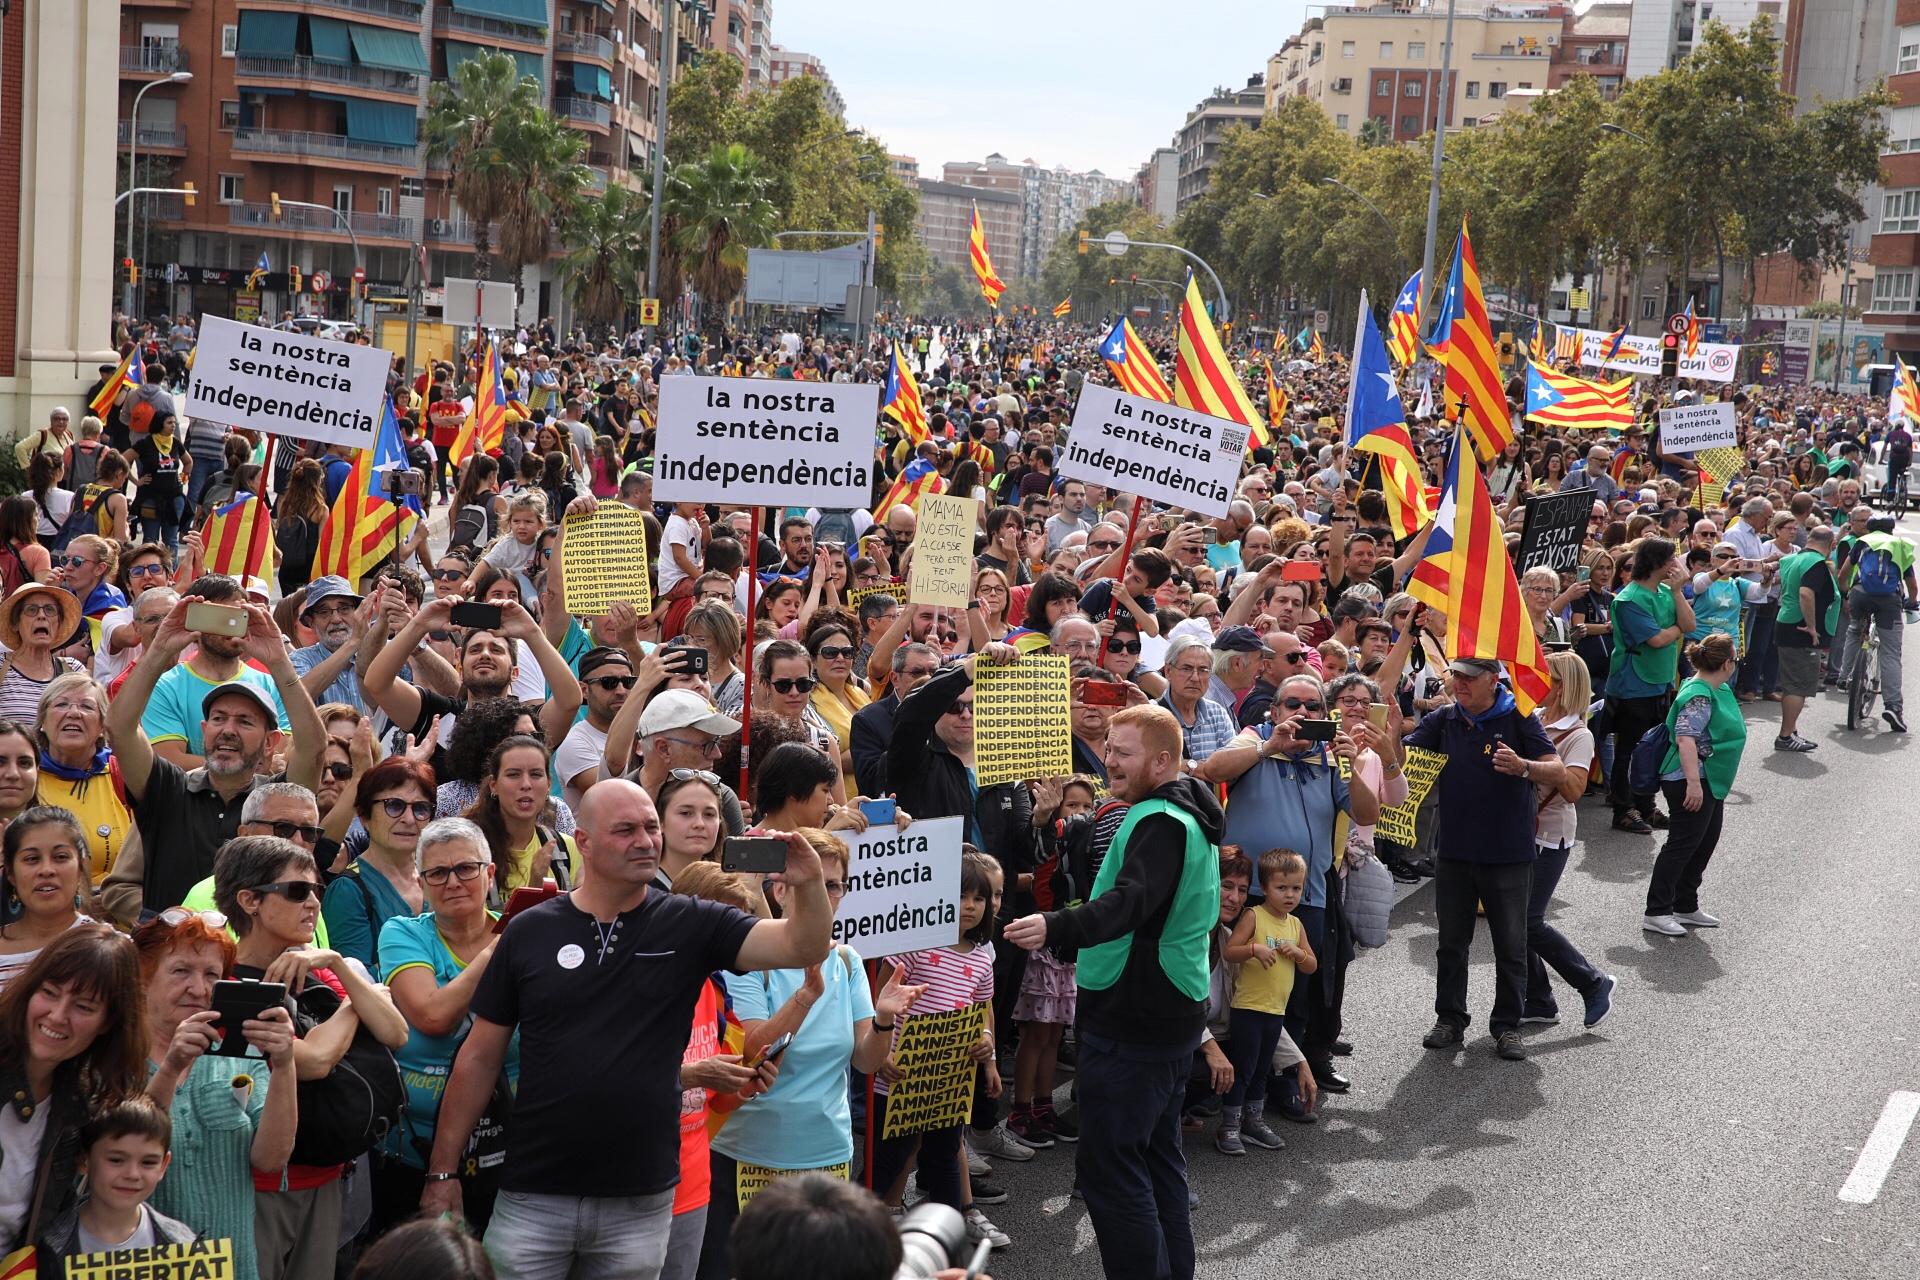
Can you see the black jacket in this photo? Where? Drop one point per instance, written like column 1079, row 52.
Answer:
column 1143, row 1007
column 59, row 1147
column 928, row 782
column 872, row 729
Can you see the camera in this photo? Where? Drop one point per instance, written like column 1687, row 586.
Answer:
column 933, row 1237
column 406, row 483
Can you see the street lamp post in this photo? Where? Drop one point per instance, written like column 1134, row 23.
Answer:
column 359, row 262
column 133, row 149
column 1429, row 315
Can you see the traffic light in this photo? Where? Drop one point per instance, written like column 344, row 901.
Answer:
column 293, row 278
column 273, row 198
column 1669, row 355
column 1083, row 240
column 190, row 193
column 131, row 270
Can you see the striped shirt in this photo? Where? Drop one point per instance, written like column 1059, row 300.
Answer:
column 954, row 979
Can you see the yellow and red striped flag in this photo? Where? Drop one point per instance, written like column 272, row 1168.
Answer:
column 1063, row 307
column 1562, row 400
column 1693, row 331
column 1203, row 380
column 901, row 400
column 917, row 479
column 1132, row 365
column 365, row 525
column 1904, row 397
column 1473, row 370
column 1465, row 572
column 487, row 424
column 131, row 373
column 1403, row 325
column 235, row 538
column 991, row 285
column 1318, row 352
column 1277, row 404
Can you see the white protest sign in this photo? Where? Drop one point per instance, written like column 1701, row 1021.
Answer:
column 759, row 442
column 903, row 888
column 287, row 384
column 1690, row 427
column 1166, row 453
column 1714, row 362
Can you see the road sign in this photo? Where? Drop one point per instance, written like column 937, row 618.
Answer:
column 322, row 281
column 1676, row 324
column 649, row 311
column 1116, row 243
column 359, row 275
column 1321, row 319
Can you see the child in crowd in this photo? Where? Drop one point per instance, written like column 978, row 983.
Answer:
column 526, row 516
column 124, row 1154
column 1045, row 1010
column 954, row 977
column 1269, row 935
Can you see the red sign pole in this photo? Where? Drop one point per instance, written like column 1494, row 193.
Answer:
column 746, row 673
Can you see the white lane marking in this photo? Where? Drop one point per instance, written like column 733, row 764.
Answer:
column 1883, row 1145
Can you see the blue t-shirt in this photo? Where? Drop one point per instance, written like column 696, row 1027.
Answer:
column 173, row 713
column 803, row 1122
column 426, row 1061
column 344, row 908
column 1289, row 802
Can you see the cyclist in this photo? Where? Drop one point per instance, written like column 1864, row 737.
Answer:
column 1899, row 452
column 1883, row 580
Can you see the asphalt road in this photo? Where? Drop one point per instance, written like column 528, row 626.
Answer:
column 1706, row 1129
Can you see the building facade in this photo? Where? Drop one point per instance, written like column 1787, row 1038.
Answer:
column 1664, row 31
column 322, row 103
column 1052, row 203
column 946, row 216
column 1200, row 135
column 784, row 64
column 1156, row 187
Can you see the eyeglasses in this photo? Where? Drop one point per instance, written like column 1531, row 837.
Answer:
column 394, row 806
column 1103, row 546
column 147, row 570
column 725, row 597
column 458, row 871
column 1298, row 655
column 833, row 651
column 961, row 709
column 174, row 917
column 798, row 684
column 1194, row 673
column 291, row 890
column 340, row 770
column 695, row 775
column 39, row 609
column 1123, row 646
column 1726, row 555
column 836, row 888
column 609, row 683
column 1302, row 704
column 707, row 747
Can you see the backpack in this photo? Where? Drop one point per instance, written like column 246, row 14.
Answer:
column 469, row 528
column 1879, row 572
column 13, row 570
column 83, row 463
column 1643, row 768
column 349, row 1111
column 80, row 519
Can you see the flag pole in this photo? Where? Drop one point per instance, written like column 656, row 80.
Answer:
column 747, row 676
column 1126, row 554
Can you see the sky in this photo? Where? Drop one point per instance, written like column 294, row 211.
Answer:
column 1091, row 85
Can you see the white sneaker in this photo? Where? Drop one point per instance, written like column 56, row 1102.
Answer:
column 1698, row 919
column 1002, row 1145
column 977, row 1166
column 1664, row 924
column 978, row 1229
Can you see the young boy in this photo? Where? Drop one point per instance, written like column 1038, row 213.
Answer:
column 1270, row 946
column 124, row 1154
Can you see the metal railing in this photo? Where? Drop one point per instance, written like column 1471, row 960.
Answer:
column 590, row 43
column 294, row 142
column 450, row 19
column 584, row 109
column 384, row 225
column 318, row 71
column 458, row 231
column 153, row 59
column 406, row 10
column 155, row 135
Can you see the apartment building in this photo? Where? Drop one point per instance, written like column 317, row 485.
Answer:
column 1157, row 185
column 946, row 216
column 1200, row 134
column 785, row 64
column 1664, row 31
column 322, row 103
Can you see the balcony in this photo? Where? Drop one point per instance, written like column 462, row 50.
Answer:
column 323, row 146
column 249, row 66
column 445, row 18
column 152, row 59
column 156, row 137
column 294, row 220
column 585, row 43
column 164, row 208
column 584, row 111
column 597, row 180
column 400, row 10
column 458, row 231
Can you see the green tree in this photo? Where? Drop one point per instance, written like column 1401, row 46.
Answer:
column 471, row 120
column 720, row 209
column 544, row 157
column 606, row 239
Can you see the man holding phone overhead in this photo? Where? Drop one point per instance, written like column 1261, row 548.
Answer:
column 173, row 709
column 606, row 973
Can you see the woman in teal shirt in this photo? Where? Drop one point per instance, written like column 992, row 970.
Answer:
column 1707, row 735
column 432, row 963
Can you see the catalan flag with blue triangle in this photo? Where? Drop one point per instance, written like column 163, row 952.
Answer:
column 1403, row 325
column 1693, row 331
column 364, row 525
column 901, row 399
column 1377, row 424
column 917, row 479
column 486, row 427
column 1132, row 365
column 131, row 373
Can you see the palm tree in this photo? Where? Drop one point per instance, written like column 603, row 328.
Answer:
column 719, row 208
column 469, row 119
column 607, row 248
column 1374, row 132
column 543, row 155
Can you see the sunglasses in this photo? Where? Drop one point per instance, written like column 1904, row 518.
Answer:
column 1298, row 655
column 459, row 870
column 291, row 890
column 1123, row 646
column 832, row 651
column 1103, row 546
column 449, row 575
column 174, row 917
column 394, row 806
column 340, row 770
column 799, row 684
column 961, row 709
column 69, row 562
column 610, row 683
column 1302, row 704
column 694, row 775
column 295, row 831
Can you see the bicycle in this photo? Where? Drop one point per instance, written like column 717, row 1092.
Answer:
column 1863, row 689
column 1897, row 499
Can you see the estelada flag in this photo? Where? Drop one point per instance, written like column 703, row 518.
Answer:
column 487, row 424
column 1132, row 365
column 1473, row 371
column 131, row 373
column 991, row 285
column 1203, row 380
column 902, row 399
column 918, row 479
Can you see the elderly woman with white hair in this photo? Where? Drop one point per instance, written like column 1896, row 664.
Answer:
column 1540, row 592
column 1205, row 725
column 432, row 964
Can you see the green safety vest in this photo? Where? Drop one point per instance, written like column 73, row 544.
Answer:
column 1792, row 569
column 1726, row 730
column 1653, row 666
column 1190, row 920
